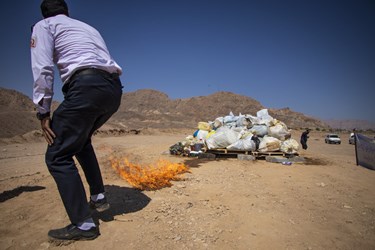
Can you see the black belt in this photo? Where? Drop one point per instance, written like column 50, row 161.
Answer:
column 93, row 71
column 88, row 71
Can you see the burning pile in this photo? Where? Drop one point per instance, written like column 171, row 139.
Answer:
column 149, row 177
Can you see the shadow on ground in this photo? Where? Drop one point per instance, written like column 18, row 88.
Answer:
column 315, row 161
column 122, row 200
column 9, row 194
column 196, row 162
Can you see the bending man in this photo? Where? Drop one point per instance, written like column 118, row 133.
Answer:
column 92, row 93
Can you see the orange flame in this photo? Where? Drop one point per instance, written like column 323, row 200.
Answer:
column 149, row 177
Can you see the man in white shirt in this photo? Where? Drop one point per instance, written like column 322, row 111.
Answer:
column 92, row 94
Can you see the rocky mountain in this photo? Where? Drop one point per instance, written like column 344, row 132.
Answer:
column 151, row 109
column 145, row 108
column 14, row 100
column 17, row 115
column 351, row 124
column 295, row 119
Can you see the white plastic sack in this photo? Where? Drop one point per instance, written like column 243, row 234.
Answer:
column 264, row 117
column 245, row 133
column 218, row 122
column 279, row 131
column 230, row 124
column 259, row 130
column 269, row 144
column 243, row 145
column 241, row 121
column 253, row 119
column 202, row 134
column 289, row 146
column 230, row 118
column 238, row 130
column 222, row 138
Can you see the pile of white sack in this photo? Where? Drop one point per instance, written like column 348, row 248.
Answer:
column 240, row 133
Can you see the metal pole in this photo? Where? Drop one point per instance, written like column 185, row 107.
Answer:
column 355, row 146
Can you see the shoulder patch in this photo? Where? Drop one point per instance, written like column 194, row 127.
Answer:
column 33, row 42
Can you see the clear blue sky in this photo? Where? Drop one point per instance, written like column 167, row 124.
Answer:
column 316, row 57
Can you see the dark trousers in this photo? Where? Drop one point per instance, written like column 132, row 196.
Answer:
column 89, row 102
column 304, row 144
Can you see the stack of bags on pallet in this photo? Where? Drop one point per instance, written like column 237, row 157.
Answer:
column 260, row 133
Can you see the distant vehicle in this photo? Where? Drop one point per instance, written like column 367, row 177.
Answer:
column 351, row 139
column 332, row 138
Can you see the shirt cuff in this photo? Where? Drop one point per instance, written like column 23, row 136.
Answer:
column 44, row 105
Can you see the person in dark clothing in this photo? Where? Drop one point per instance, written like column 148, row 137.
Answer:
column 304, row 137
column 92, row 94
column 256, row 140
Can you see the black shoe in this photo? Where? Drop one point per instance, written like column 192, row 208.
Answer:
column 72, row 232
column 99, row 205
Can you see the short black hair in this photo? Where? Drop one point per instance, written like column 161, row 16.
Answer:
column 51, row 8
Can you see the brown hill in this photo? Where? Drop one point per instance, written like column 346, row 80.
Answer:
column 14, row 100
column 17, row 115
column 150, row 109
column 295, row 119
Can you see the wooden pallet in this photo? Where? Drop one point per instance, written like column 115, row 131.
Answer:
column 224, row 151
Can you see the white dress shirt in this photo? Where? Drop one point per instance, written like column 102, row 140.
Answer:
column 71, row 45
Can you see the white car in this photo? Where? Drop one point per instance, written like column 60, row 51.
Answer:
column 351, row 139
column 332, row 138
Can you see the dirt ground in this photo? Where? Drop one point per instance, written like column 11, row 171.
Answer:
column 326, row 203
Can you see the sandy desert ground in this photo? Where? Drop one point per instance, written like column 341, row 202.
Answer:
column 326, row 203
